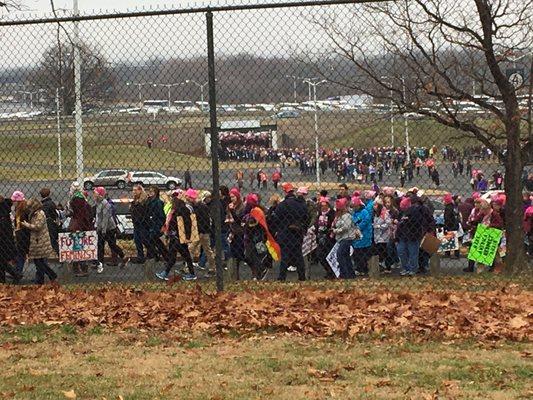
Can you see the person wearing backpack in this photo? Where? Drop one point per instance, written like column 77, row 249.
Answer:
column 106, row 228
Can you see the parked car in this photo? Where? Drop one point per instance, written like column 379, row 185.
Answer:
column 124, row 222
column 107, row 178
column 287, row 114
column 153, row 178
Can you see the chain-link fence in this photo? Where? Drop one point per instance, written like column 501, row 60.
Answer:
column 342, row 136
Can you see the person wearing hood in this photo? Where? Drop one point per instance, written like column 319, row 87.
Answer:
column 40, row 247
column 290, row 222
column 106, row 229
column 171, row 228
column 8, row 249
column 363, row 245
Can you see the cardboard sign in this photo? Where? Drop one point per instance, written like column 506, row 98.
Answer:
column 449, row 241
column 485, row 244
column 78, row 246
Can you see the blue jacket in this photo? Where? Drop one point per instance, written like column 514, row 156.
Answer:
column 369, row 206
column 156, row 215
column 363, row 220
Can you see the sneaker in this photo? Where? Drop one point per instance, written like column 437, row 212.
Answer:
column 292, row 269
column 189, row 277
column 99, row 268
column 404, row 272
column 198, row 266
column 411, row 273
column 162, row 275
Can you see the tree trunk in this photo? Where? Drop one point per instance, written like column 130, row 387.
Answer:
column 516, row 260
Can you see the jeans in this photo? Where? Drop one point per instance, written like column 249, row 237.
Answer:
column 20, row 260
column 111, row 238
column 408, row 253
column 42, row 269
column 345, row 260
column 360, row 258
column 226, row 251
column 141, row 240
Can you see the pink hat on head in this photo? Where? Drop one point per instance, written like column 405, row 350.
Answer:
column 177, row 192
column 18, row 196
column 476, row 195
column 235, row 192
column 389, row 191
column 356, row 193
column 356, row 201
column 447, row 199
column 302, row 190
column 341, row 204
column 405, row 203
column 252, row 199
column 369, row 194
column 323, row 199
column 100, row 191
column 191, row 193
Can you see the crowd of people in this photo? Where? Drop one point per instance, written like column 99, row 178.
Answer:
column 346, row 229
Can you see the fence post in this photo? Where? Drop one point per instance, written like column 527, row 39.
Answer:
column 215, row 204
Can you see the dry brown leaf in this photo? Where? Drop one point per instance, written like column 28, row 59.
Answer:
column 70, row 394
column 518, row 322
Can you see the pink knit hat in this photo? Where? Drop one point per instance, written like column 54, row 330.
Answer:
column 18, row 196
column 191, row 193
column 447, row 199
column 252, row 199
column 302, row 190
column 476, row 195
column 405, row 203
column 356, row 201
column 341, row 204
column 323, row 199
column 100, row 191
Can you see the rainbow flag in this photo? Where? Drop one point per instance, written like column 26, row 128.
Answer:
column 271, row 244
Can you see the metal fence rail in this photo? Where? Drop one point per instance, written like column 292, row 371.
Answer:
column 248, row 136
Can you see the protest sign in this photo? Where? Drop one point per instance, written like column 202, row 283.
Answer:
column 309, row 243
column 485, row 244
column 78, row 246
column 449, row 241
column 331, row 258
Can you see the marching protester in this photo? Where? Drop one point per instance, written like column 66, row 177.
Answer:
column 141, row 223
column 22, row 234
column 451, row 218
column 345, row 231
column 205, row 230
column 8, row 250
column 52, row 217
column 180, row 231
column 156, row 218
column 291, row 219
column 106, row 229
column 362, row 246
column 383, row 233
column 408, row 236
column 40, row 248
column 325, row 240
column 236, row 237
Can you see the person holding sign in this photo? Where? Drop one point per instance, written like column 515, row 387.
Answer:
column 345, row 232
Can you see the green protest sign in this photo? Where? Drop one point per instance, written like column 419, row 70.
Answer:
column 485, row 244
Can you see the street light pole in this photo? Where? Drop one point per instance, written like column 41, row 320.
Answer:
column 77, row 90
column 391, row 120
column 406, row 126
column 59, row 157
column 201, row 86
column 317, row 147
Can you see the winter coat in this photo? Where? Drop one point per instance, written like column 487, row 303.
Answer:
column 382, row 227
column 80, row 215
column 104, row 217
column 290, row 219
column 156, row 216
column 8, row 250
column 411, row 224
column 22, row 235
column 203, row 217
column 139, row 213
column 363, row 221
column 465, row 208
column 451, row 219
column 344, row 228
column 40, row 246
column 52, row 218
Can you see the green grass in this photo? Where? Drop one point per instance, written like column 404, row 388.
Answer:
column 275, row 367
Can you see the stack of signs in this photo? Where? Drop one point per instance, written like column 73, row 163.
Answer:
column 485, row 244
column 78, row 246
column 449, row 241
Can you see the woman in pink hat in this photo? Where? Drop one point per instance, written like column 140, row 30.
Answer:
column 451, row 219
column 325, row 241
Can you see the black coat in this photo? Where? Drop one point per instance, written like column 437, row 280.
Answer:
column 52, row 219
column 291, row 220
column 140, row 216
column 451, row 219
column 8, row 250
column 203, row 218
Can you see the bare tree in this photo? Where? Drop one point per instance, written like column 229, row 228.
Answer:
column 427, row 55
column 56, row 73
